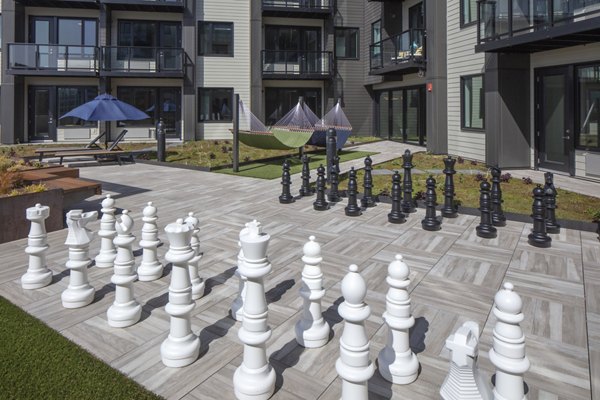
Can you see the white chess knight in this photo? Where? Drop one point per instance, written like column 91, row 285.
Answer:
column 354, row 366
column 194, row 263
column 312, row 330
column 397, row 362
column 38, row 275
column 255, row 378
column 125, row 311
column 150, row 269
column 237, row 307
column 79, row 293
column 107, row 233
column 508, row 348
column 464, row 381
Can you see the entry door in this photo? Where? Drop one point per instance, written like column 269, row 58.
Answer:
column 41, row 118
column 554, row 119
column 42, row 33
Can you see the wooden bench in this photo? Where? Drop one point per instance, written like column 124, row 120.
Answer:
column 47, row 173
column 51, row 151
column 118, row 155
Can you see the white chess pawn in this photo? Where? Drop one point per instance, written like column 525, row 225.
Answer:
column 237, row 307
column 255, row 378
column 193, row 264
column 464, row 381
column 508, row 348
column 354, row 366
column 107, row 233
column 311, row 329
column 182, row 346
column 125, row 311
column 38, row 275
column 79, row 293
column 397, row 363
column 150, row 269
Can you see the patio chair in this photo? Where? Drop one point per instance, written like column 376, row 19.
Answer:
column 112, row 152
column 51, row 151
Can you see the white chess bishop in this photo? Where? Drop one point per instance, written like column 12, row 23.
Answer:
column 107, row 233
column 194, row 263
column 38, row 275
column 150, row 269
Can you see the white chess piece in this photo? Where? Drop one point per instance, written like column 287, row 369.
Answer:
column 79, row 293
column 237, row 307
column 125, row 311
column 354, row 366
column 182, row 346
column 508, row 349
column 311, row 329
column 107, row 233
column 193, row 264
column 397, row 363
column 150, row 269
column 255, row 378
column 38, row 275
column 464, row 381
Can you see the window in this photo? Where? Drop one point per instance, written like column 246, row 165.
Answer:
column 278, row 101
column 472, row 102
column 346, row 43
column 70, row 97
column 468, row 12
column 215, row 39
column 376, row 36
column 416, row 16
column 214, row 104
column 588, row 89
column 145, row 36
column 157, row 102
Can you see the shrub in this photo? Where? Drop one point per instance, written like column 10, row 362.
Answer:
column 8, row 180
column 479, row 177
column 505, row 177
column 224, row 149
column 246, row 158
column 473, row 162
column 212, row 156
column 595, row 214
column 460, row 160
column 420, row 195
column 527, row 180
column 226, row 142
column 216, row 142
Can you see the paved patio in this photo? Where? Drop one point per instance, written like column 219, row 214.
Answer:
column 454, row 274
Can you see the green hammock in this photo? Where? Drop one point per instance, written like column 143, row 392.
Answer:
column 276, row 139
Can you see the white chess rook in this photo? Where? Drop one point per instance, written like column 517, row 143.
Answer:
column 38, row 275
column 125, row 311
column 311, row 329
column 397, row 363
column 107, row 233
column 150, row 269
column 237, row 307
column 79, row 293
column 255, row 378
column 194, row 263
column 182, row 346
column 354, row 366
column 508, row 349
column 464, row 381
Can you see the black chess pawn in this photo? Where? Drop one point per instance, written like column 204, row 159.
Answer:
column 320, row 204
column 485, row 229
column 286, row 180
column 333, row 195
column 305, row 189
column 396, row 216
column 538, row 236
column 352, row 209
column 367, row 199
column 430, row 222
column 408, row 204
column 550, row 201
column 331, row 150
column 449, row 210
column 498, row 218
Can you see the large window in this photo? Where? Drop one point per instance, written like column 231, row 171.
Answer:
column 63, row 31
column 346, row 43
column 376, row 36
column 214, row 104
column 157, row 102
column 144, row 36
column 472, row 102
column 468, row 12
column 70, row 97
column 588, row 88
column 215, row 39
column 279, row 101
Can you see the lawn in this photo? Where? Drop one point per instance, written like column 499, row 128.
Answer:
column 39, row 363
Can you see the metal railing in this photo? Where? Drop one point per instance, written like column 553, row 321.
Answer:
column 299, row 5
column 142, row 59
column 297, row 63
column 501, row 19
column 398, row 49
column 52, row 57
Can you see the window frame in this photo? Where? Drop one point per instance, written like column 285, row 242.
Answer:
column 84, row 123
column 464, row 24
column 199, row 109
column 463, row 126
column 346, row 28
column 200, row 30
column 577, row 110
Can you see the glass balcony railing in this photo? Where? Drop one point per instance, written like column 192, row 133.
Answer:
column 398, row 50
column 295, row 64
column 118, row 59
column 52, row 57
column 299, row 5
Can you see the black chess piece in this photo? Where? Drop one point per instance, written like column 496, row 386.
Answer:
column 498, row 218
column 305, row 189
column 330, row 150
column 320, row 204
column 286, row 196
column 430, row 222
column 352, row 209
column 408, row 204
column 485, row 229
column 367, row 199
column 550, row 201
column 333, row 195
column 538, row 236
column 396, row 216
column 449, row 210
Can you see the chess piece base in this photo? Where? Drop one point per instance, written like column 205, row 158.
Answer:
column 255, row 384
column 36, row 280
column 487, row 232
column 451, row 213
column 306, row 193
column 552, row 228
column 399, row 369
column 333, row 198
column 353, row 211
column 313, row 337
column 408, row 209
column 396, row 218
column 124, row 315
column 148, row 273
column 77, row 297
column 179, row 352
column 367, row 203
column 286, row 199
column 499, row 221
column 197, row 290
column 105, row 261
column 321, row 206
column 431, row 225
column 542, row 241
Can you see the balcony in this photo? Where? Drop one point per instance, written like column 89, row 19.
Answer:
column 92, row 4
column 322, row 9
column 294, row 64
column 155, row 62
column 146, row 5
column 52, row 60
column 529, row 26
column 399, row 54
